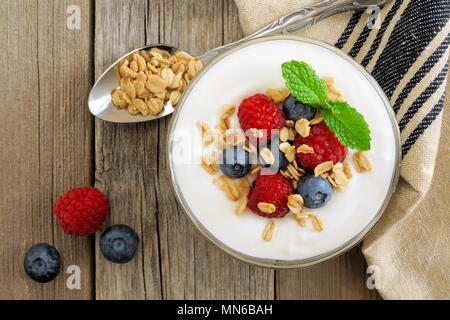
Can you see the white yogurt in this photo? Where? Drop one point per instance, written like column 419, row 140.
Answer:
column 254, row 69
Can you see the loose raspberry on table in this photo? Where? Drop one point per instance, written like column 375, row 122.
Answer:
column 81, row 211
column 273, row 189
column 260, row 112
column 326, row 147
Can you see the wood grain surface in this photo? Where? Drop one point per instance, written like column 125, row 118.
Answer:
column 46, row 139
column 49, row 143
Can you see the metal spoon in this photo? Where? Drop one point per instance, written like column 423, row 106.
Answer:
column 100, row 103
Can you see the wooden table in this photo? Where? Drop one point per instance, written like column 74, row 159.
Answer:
column 50, row 143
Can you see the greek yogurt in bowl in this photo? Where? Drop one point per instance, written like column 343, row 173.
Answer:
column 255, row 67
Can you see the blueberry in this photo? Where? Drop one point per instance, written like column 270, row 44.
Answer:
column 119, row 243
column 295, row 110
column 42, row 262
column 235, row 162
column 281, row 162
column 316, row 191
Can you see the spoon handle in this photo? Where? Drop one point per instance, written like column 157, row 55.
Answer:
column 297, row 20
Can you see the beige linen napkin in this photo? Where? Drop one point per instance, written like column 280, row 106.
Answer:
column 408, row 54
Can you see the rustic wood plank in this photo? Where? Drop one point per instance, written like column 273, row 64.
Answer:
column 341, row 278
column 46, row 139
column 232, row 30
column 191, row 266
column 126, row 157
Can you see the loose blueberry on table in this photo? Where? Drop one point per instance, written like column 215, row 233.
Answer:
column 119, row 243
column 42, row 262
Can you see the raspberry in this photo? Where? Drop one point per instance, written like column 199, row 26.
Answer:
column 260, row 112
column 81, row 211
column 326, row 147
column 273, row 189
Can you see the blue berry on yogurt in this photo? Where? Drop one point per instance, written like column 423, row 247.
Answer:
column 316, row 191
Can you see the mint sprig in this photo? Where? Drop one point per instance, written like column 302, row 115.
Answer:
column 304, row 84
column 348, row 125
column 345, row 121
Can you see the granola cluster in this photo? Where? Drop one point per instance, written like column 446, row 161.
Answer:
column 149, row 79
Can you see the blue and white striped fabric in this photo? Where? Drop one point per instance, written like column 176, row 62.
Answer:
column 414, row 29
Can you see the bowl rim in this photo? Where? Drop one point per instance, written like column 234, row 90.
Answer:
column 273, row 263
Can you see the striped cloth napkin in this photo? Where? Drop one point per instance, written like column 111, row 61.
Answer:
column 407, row 51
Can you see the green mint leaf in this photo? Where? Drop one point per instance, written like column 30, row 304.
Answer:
column 304, row 84
column 345, row 121
column 348, row 125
